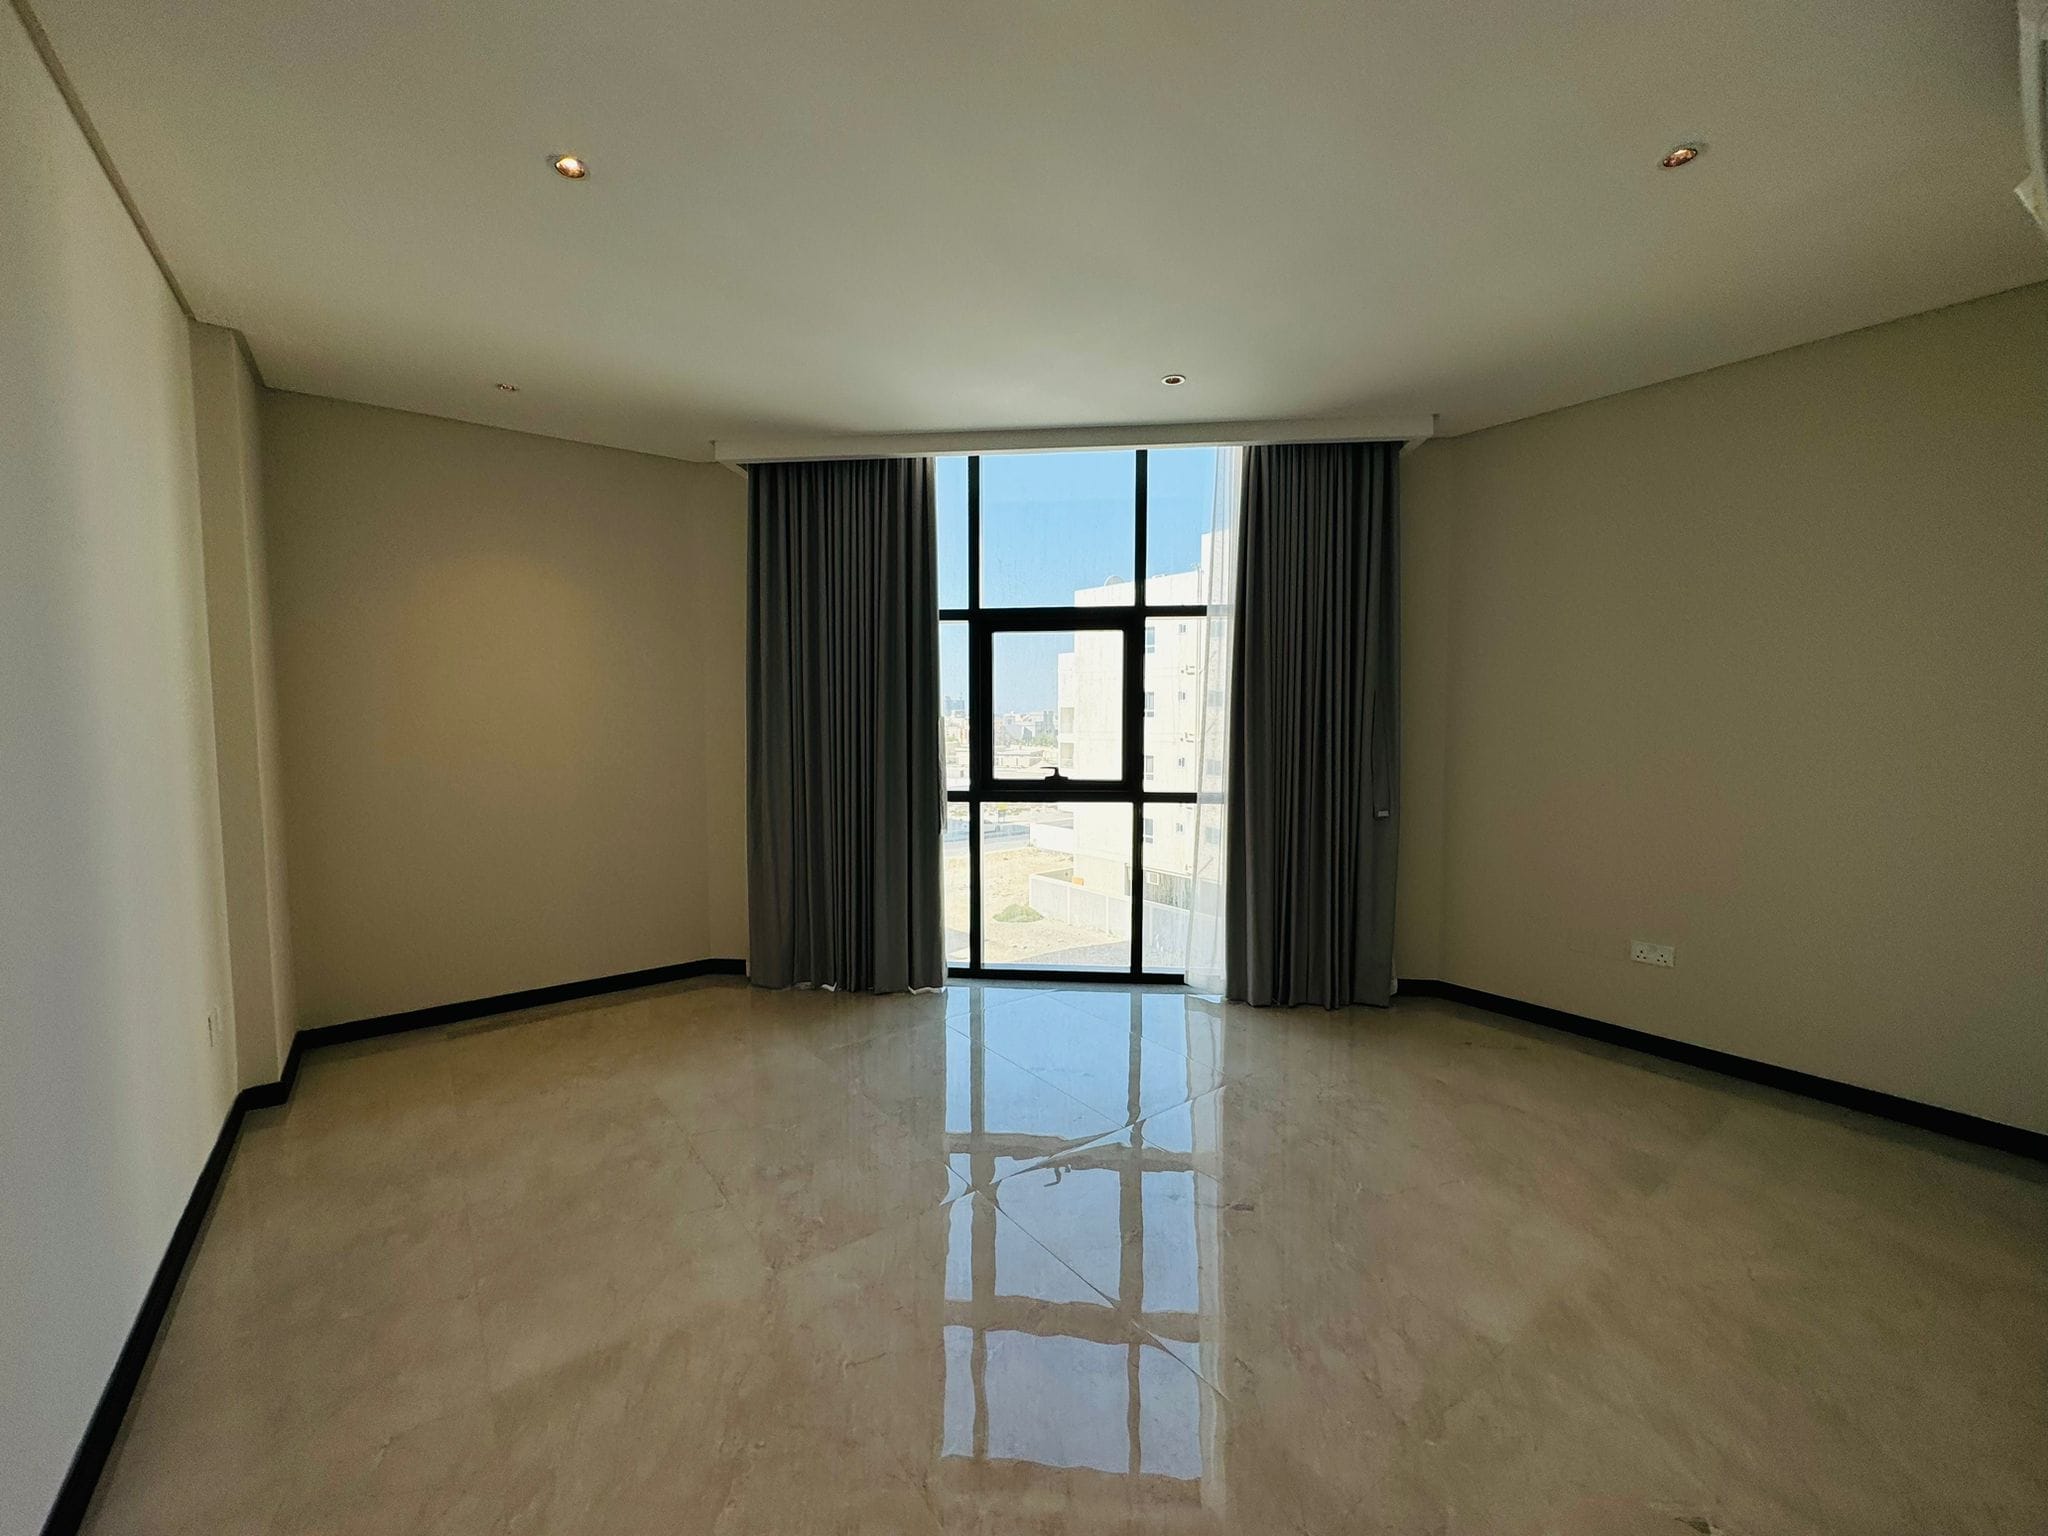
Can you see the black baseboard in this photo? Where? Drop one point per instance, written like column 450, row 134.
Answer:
column 483, row 1007
column 1889, row 1106
column 67, row 1513
column 97, row 1444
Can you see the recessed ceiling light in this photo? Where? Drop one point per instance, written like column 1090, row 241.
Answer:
column 510, row 389
column 1684, row 154
column 571, row 167
column 1174, row 379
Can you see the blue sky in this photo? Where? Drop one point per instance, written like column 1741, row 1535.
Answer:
column 1052, row 523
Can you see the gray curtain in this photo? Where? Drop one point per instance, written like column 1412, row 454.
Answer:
column 845, row 796
column 1314, row 742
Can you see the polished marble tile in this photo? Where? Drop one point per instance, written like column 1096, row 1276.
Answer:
column 930, row 1077
column 1108, row 1063
column 1039, row 1259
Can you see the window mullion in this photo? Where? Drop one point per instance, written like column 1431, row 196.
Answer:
column 1134, row 695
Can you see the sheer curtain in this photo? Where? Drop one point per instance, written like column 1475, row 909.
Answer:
column 1206, row 930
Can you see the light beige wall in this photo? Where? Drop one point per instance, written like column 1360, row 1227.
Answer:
column 112, row 916
column 511, row 684
column 1425, row 696
column 229, row 443
column 1755, row 663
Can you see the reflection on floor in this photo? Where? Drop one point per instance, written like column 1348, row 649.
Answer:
column 1023, row 1327
column 707, row 1259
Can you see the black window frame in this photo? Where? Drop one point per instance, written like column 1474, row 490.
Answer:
column 1128, row 788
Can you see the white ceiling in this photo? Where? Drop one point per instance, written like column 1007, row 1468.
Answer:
column 821, row 217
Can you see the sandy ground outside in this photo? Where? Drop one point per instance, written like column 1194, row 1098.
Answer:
column 1006, row 877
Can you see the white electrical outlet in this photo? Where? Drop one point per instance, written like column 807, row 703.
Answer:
column 213, row 1026
column 1643, row 952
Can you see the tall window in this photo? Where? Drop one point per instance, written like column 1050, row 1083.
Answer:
column 1073, row 589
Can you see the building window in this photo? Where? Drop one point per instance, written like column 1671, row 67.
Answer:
column 1071, row 587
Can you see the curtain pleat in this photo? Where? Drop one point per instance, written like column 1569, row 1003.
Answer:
column 1314, row 806
column 846, row 797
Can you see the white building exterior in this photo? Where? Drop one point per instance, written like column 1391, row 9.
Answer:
column 1090, row 732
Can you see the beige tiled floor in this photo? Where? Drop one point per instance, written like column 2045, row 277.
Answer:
column 711, row 1260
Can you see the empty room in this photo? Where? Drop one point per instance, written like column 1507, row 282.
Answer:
column 788, row 769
